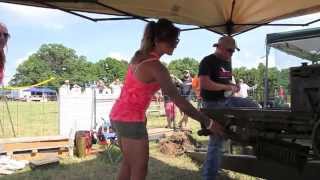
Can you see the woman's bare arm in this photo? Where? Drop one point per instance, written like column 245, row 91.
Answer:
column 160, row 73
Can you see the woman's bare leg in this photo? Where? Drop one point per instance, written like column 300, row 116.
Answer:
column 124, row 172
column 135, row 158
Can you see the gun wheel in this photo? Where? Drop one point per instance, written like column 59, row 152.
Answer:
column 316, row 139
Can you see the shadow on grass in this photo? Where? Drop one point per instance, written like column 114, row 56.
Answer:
column 101, row 167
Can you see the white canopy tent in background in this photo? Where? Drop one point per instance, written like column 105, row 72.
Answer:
column 221, row 16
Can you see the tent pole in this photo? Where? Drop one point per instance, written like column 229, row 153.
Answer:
column 266, row 79
column 9, row 114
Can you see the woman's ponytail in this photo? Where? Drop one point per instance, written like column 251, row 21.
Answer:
column 147, row 42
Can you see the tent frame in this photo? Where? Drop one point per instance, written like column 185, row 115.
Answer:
column 130, row 16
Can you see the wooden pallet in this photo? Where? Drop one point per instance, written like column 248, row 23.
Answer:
column 36, row 147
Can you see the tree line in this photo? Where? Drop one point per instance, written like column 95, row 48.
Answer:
column 60, row 62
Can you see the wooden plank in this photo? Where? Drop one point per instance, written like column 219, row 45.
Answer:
column 6, row 172
column 34, row 152
column 32, row 139
column 33, row 145
column 159, row 130
column 158, row 133
column 44, row 163
column 40, row 155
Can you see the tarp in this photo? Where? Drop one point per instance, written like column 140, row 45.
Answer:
column 304, row 43
column 40, row 90
column 223, row 16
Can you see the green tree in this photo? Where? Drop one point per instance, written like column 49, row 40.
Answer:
column 32, row 71
column 79, row 71
column 284, row 79
column 177, row 66
column 109, row 69
column 53, row 60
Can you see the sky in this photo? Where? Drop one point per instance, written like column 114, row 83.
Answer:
column 31, row 27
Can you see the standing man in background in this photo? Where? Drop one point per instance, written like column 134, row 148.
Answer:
column 216, row 89
column 196, row 89
column 244, row 88
column 186, row 92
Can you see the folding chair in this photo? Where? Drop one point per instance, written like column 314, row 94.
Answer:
column 110, row 142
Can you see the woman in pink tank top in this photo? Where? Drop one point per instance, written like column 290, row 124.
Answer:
column 145, row 76
column 4, row 36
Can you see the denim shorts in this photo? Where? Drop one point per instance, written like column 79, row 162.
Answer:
column 132, row 130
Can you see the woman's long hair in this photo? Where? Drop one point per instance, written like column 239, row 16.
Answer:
column 2, row 59
column 163, row 30
column 2, row 54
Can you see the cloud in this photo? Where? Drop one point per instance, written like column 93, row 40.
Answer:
column 11, row 66
column 245, row 59
column 271, row 60
column 47, row 18
column 53, row 26
column 24, row 58
column 118, row 56
column 28, row 11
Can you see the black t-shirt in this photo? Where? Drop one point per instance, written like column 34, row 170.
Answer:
column 219, row 71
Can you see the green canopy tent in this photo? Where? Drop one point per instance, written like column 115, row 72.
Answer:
column 303, row 44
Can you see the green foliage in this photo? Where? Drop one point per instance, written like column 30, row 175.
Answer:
column 177, row 66
column 109, row 69
column 56, row 60
column 255, row 76
column 32, row 71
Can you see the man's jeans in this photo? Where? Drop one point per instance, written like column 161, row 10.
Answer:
column 214, row 153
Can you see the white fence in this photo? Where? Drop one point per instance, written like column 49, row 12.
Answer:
column 83, row 110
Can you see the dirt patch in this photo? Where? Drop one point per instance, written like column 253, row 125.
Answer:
column 176, row 144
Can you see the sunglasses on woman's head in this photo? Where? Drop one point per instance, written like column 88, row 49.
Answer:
column 5, row 35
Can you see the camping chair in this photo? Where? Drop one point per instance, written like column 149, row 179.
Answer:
column 112, row 142
column 109, row 141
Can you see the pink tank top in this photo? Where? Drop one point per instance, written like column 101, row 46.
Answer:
column 135, row 97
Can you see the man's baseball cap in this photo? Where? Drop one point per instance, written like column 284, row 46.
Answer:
column 227, row 42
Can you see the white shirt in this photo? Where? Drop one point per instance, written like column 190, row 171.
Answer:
column 116, row 89
column 243, row 92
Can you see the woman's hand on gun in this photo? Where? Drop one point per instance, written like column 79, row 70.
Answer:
column 215, row 128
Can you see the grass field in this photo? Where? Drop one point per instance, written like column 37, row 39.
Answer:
column 29, row 118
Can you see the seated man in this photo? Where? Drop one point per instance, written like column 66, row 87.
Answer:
column 216, row 90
